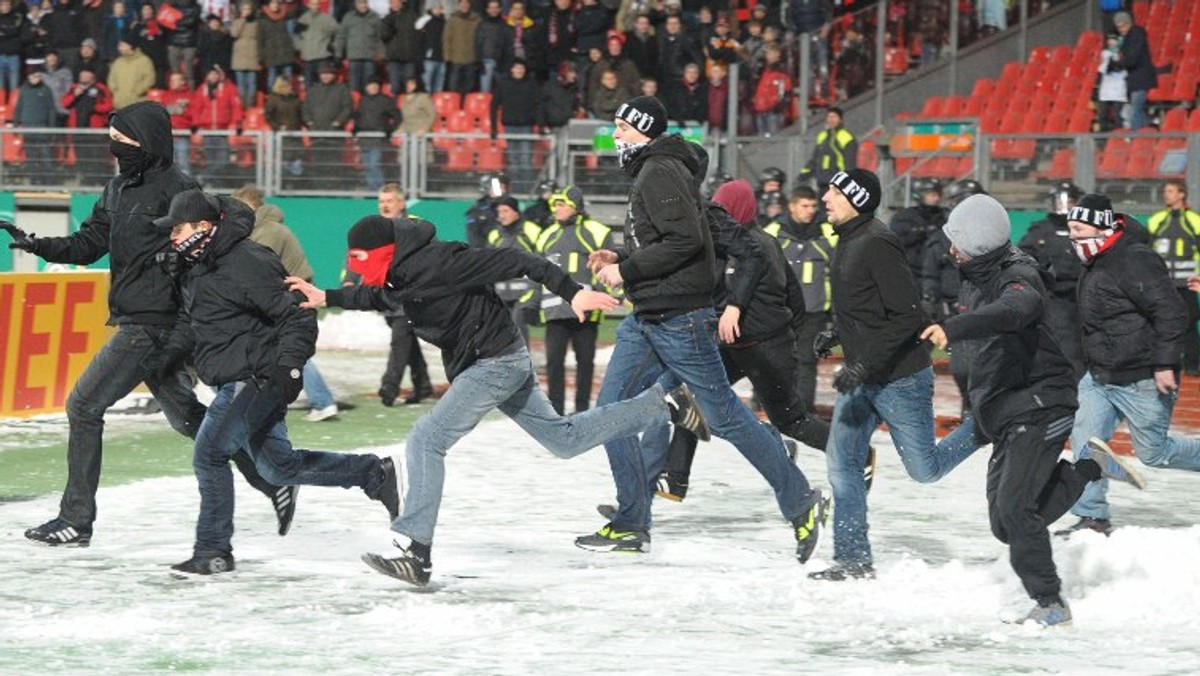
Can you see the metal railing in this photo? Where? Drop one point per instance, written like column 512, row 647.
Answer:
column 1016, row 168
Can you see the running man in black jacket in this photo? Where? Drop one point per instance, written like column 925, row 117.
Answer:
column 668, row 268
column 1022, row 390
column 142, row 305
column 250, row 340
column 1133, row 324
column 887, row 375
column 448, row 291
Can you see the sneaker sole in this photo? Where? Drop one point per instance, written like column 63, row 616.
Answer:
column 78, row 544
column 1135, row 477
column 612, row 549
column 669, row 496
column 383, row 566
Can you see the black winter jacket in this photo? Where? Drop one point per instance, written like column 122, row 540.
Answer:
column 1133, row 318
column 1018, row 368
column 559, row 102
column 399, row 34
column 742, row 259
column 777, row 302
column 121, row 225
column 519, row 99
column 187, row 28
column 448, row 292
column 876, row 306
column 668, row 263
column 240, row 319
column 494, row 40
column 915, row 226
column 1049, row 242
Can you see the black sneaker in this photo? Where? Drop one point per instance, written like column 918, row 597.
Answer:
column 59, row 533
column 807, row 527
column 387, row 396
column 407, row 567
column 205, row 565
column 792, row 448
column 685, row 413
column 840, row 572
column 388, row 491
column 869, row 468
column 284, row 501
column 609, row 539
column 1087, row 523
column 670, row 487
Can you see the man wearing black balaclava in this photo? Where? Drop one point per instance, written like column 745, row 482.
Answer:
column 142, row 305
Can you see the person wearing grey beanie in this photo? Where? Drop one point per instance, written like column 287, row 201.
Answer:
column 978, row 225
column 1022, row 393
column 887, row 374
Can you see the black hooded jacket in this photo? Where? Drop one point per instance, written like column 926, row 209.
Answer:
column 667, row 263
column 121, row 225
column 1018, row 368
column 240, row 319
column 448, row 291
column 1133, row 318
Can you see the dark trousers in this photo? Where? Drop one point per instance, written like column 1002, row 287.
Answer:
column 461, row 78
column 582, row 338
column 247, row 415
column 806, row 360
column 771, row 366
column 405, row 353
column 130, row 357
column 1191, row 339
column 1028, row 488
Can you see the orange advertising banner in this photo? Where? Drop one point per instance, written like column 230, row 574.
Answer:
column 51, row 323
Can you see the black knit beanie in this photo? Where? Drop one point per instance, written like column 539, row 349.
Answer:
column 371, row 232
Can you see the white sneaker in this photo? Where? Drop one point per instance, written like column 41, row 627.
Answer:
column 319, row 414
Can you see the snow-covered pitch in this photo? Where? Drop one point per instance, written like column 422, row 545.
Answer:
column 721, row 592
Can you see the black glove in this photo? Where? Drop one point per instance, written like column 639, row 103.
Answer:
column 824, row 342
column 532, row 316
column 170, row 362
column 21, row 239
column 929, row 306
column 170, row 262
column 850, row 377
column 286, row 381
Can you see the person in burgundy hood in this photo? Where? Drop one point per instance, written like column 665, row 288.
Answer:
column 757, row 338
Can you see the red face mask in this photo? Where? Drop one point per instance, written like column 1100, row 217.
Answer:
column 374, row 268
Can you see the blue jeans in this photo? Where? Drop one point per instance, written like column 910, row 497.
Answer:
column 10, row 72
column 315, row 389
column 507, row 383
column 462, row 78
column 906, row 405
column 400, row 72
column 1148, row 416
column 686, row 347
column 434, row 76
column 1137, row 109
column 361, row 72
column 372, row 157
column 274, row 72
column 182, row 145
column 243, row 414
column 489, row 73
column 247, row 86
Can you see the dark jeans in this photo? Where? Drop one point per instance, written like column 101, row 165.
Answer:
column 806, row 360
column 361, row 72
column 1191, row 338
column 770, row 365
column 460, row 78
column 128, row 358
column 243, row 414
column 582, row 337
column 400, row 72
column 405, row 353
column 1028, row 488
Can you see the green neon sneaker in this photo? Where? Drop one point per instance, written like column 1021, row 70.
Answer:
column 609, row 539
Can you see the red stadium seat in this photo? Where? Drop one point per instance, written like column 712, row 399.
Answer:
column 478, row 104
column 491, row 159
column 1062, row 165
column 459, row 158
column 446, row 103
column 1175, row 119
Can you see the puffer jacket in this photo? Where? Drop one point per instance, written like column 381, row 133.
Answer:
column 1133, row 318
column 668, row 262
column 240, row 318
column 121, row 225
column 1018, row 369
